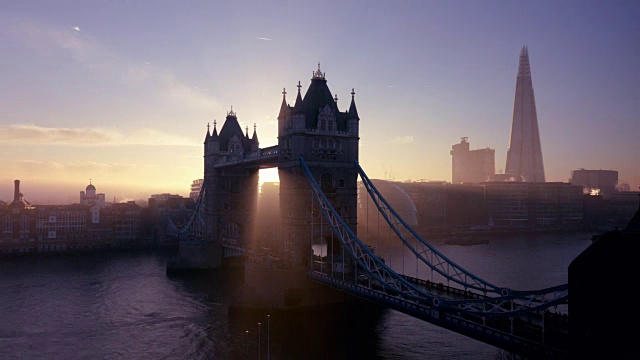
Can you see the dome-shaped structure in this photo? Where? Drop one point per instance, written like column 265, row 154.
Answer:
column 91, row 187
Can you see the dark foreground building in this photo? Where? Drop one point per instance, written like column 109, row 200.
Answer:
column 602, row 296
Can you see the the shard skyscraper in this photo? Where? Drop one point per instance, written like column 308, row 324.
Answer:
column 524, row 157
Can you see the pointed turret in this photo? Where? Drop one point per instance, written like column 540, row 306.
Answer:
column 230, row 129
column 254, row 138
column 255, row 145
column 208, row 136
column 283, row 107
column 211, row 143
column 298, row 103
column 215, row 131
column 353, row 112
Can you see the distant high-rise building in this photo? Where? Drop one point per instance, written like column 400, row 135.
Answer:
column 196, row 185
column 471, row 166
column 524, row 157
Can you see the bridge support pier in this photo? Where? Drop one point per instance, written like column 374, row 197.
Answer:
column 196, row 256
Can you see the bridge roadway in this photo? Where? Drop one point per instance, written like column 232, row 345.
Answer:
column 529, row 335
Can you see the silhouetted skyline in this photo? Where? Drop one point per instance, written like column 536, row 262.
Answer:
column 122, row 92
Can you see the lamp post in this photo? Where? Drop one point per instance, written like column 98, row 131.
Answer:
column 259, row 341
column 246, row 345
column 268, row 337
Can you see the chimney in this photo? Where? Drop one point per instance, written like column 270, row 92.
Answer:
column 16, row 192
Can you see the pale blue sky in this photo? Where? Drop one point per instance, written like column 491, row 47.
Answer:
column 121, row 91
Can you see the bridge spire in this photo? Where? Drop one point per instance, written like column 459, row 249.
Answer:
column 254, row 138
column 206, row 138
column 298, row 103
column 215, row 131
column 283, row 107
column 353, row 112
column 318, row 75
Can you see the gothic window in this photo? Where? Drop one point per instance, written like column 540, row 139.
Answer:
column 235, row 146
column 326, row 119
column 326, row 182
column 341, row 183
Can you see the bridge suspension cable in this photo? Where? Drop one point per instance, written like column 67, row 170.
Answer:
column 509, row 304
column 438, row 262
column 364, row 257
column 194, row 228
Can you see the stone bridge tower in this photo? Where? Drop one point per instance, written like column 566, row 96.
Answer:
column 231, row 192
column 328, row 139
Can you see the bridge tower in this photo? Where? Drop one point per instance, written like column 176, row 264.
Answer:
column 231, row 193
column 314, row 128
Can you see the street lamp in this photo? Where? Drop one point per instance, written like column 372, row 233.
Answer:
column 246, row 345
column 259, row 341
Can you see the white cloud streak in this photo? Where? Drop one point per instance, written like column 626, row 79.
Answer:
column 264, row 38
column 38, row 135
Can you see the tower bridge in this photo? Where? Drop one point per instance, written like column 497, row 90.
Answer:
column 317, row 161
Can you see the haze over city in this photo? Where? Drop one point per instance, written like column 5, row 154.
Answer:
column 121, row 93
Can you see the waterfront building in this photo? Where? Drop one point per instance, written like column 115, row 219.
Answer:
column 127, row 226
column 471, row 166
column 17, row 224
column 28, row 228
column 595, row 182
column 524, row 157
column 58, row 227
column 443, row 206
column 94, row 201
column 521, row 205
column 161, row 207
column 89, row 196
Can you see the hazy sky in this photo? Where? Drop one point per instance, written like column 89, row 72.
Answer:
column 120, row 92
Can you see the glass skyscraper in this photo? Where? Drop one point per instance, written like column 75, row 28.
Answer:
column 524, row 157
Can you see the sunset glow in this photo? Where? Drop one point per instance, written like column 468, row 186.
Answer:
column 122, row 93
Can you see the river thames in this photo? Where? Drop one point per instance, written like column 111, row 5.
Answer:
column 124, row 306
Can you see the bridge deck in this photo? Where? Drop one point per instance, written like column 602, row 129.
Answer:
column 523, row 334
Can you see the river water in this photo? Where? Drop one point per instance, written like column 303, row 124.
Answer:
column 124, row 306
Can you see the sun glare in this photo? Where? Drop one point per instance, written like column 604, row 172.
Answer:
column 268, row 175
